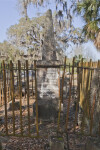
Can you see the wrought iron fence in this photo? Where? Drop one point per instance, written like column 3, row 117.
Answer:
column 18, row 92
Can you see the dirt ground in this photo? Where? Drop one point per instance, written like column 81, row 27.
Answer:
column 47, row 129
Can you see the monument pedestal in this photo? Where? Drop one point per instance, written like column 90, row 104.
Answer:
column 47, row 91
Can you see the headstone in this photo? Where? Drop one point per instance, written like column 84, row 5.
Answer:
column 47, row 78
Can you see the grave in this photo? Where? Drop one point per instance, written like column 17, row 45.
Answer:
column 47, row 78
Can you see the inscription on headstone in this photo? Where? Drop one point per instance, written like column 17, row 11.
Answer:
column 49, row 85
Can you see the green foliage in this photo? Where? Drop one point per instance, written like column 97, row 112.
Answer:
column 25, row 32
column 90, row 11
column 62, row 20
column 30, row 34
column 8, row 52
column 60, row 138
column 78, row 59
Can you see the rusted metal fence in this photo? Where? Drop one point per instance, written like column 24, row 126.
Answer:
column 18, row 88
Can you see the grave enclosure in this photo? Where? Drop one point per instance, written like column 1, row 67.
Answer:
column 24, row 103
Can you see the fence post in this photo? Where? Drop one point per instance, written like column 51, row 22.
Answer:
column 24, row 80
column 73, row 74
column 20, row 93
column 99, row 89
column 81, row 75
column 83, row 95
column 5, row 100
column 67, row 115
column 28, row 105
column 61, row 95
column 9, row 83
column 90, row 73
column 0, row 86
column 17, row 73
column 69, row 71
column 63, row 80
column 78, row 96
column 32, row 82
column 37, row 128
column 12, row 94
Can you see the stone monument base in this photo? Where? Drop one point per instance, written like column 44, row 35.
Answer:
column 47, row 110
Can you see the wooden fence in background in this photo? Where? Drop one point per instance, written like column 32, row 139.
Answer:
column 85, row 73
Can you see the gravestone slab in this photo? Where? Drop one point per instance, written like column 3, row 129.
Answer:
column 47, row 84
column 48, row 93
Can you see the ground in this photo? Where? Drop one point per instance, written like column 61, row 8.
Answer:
column 47, row 129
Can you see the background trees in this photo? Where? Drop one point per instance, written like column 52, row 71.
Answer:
column 29, row 34
column 90, row 11
column 8, row 52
